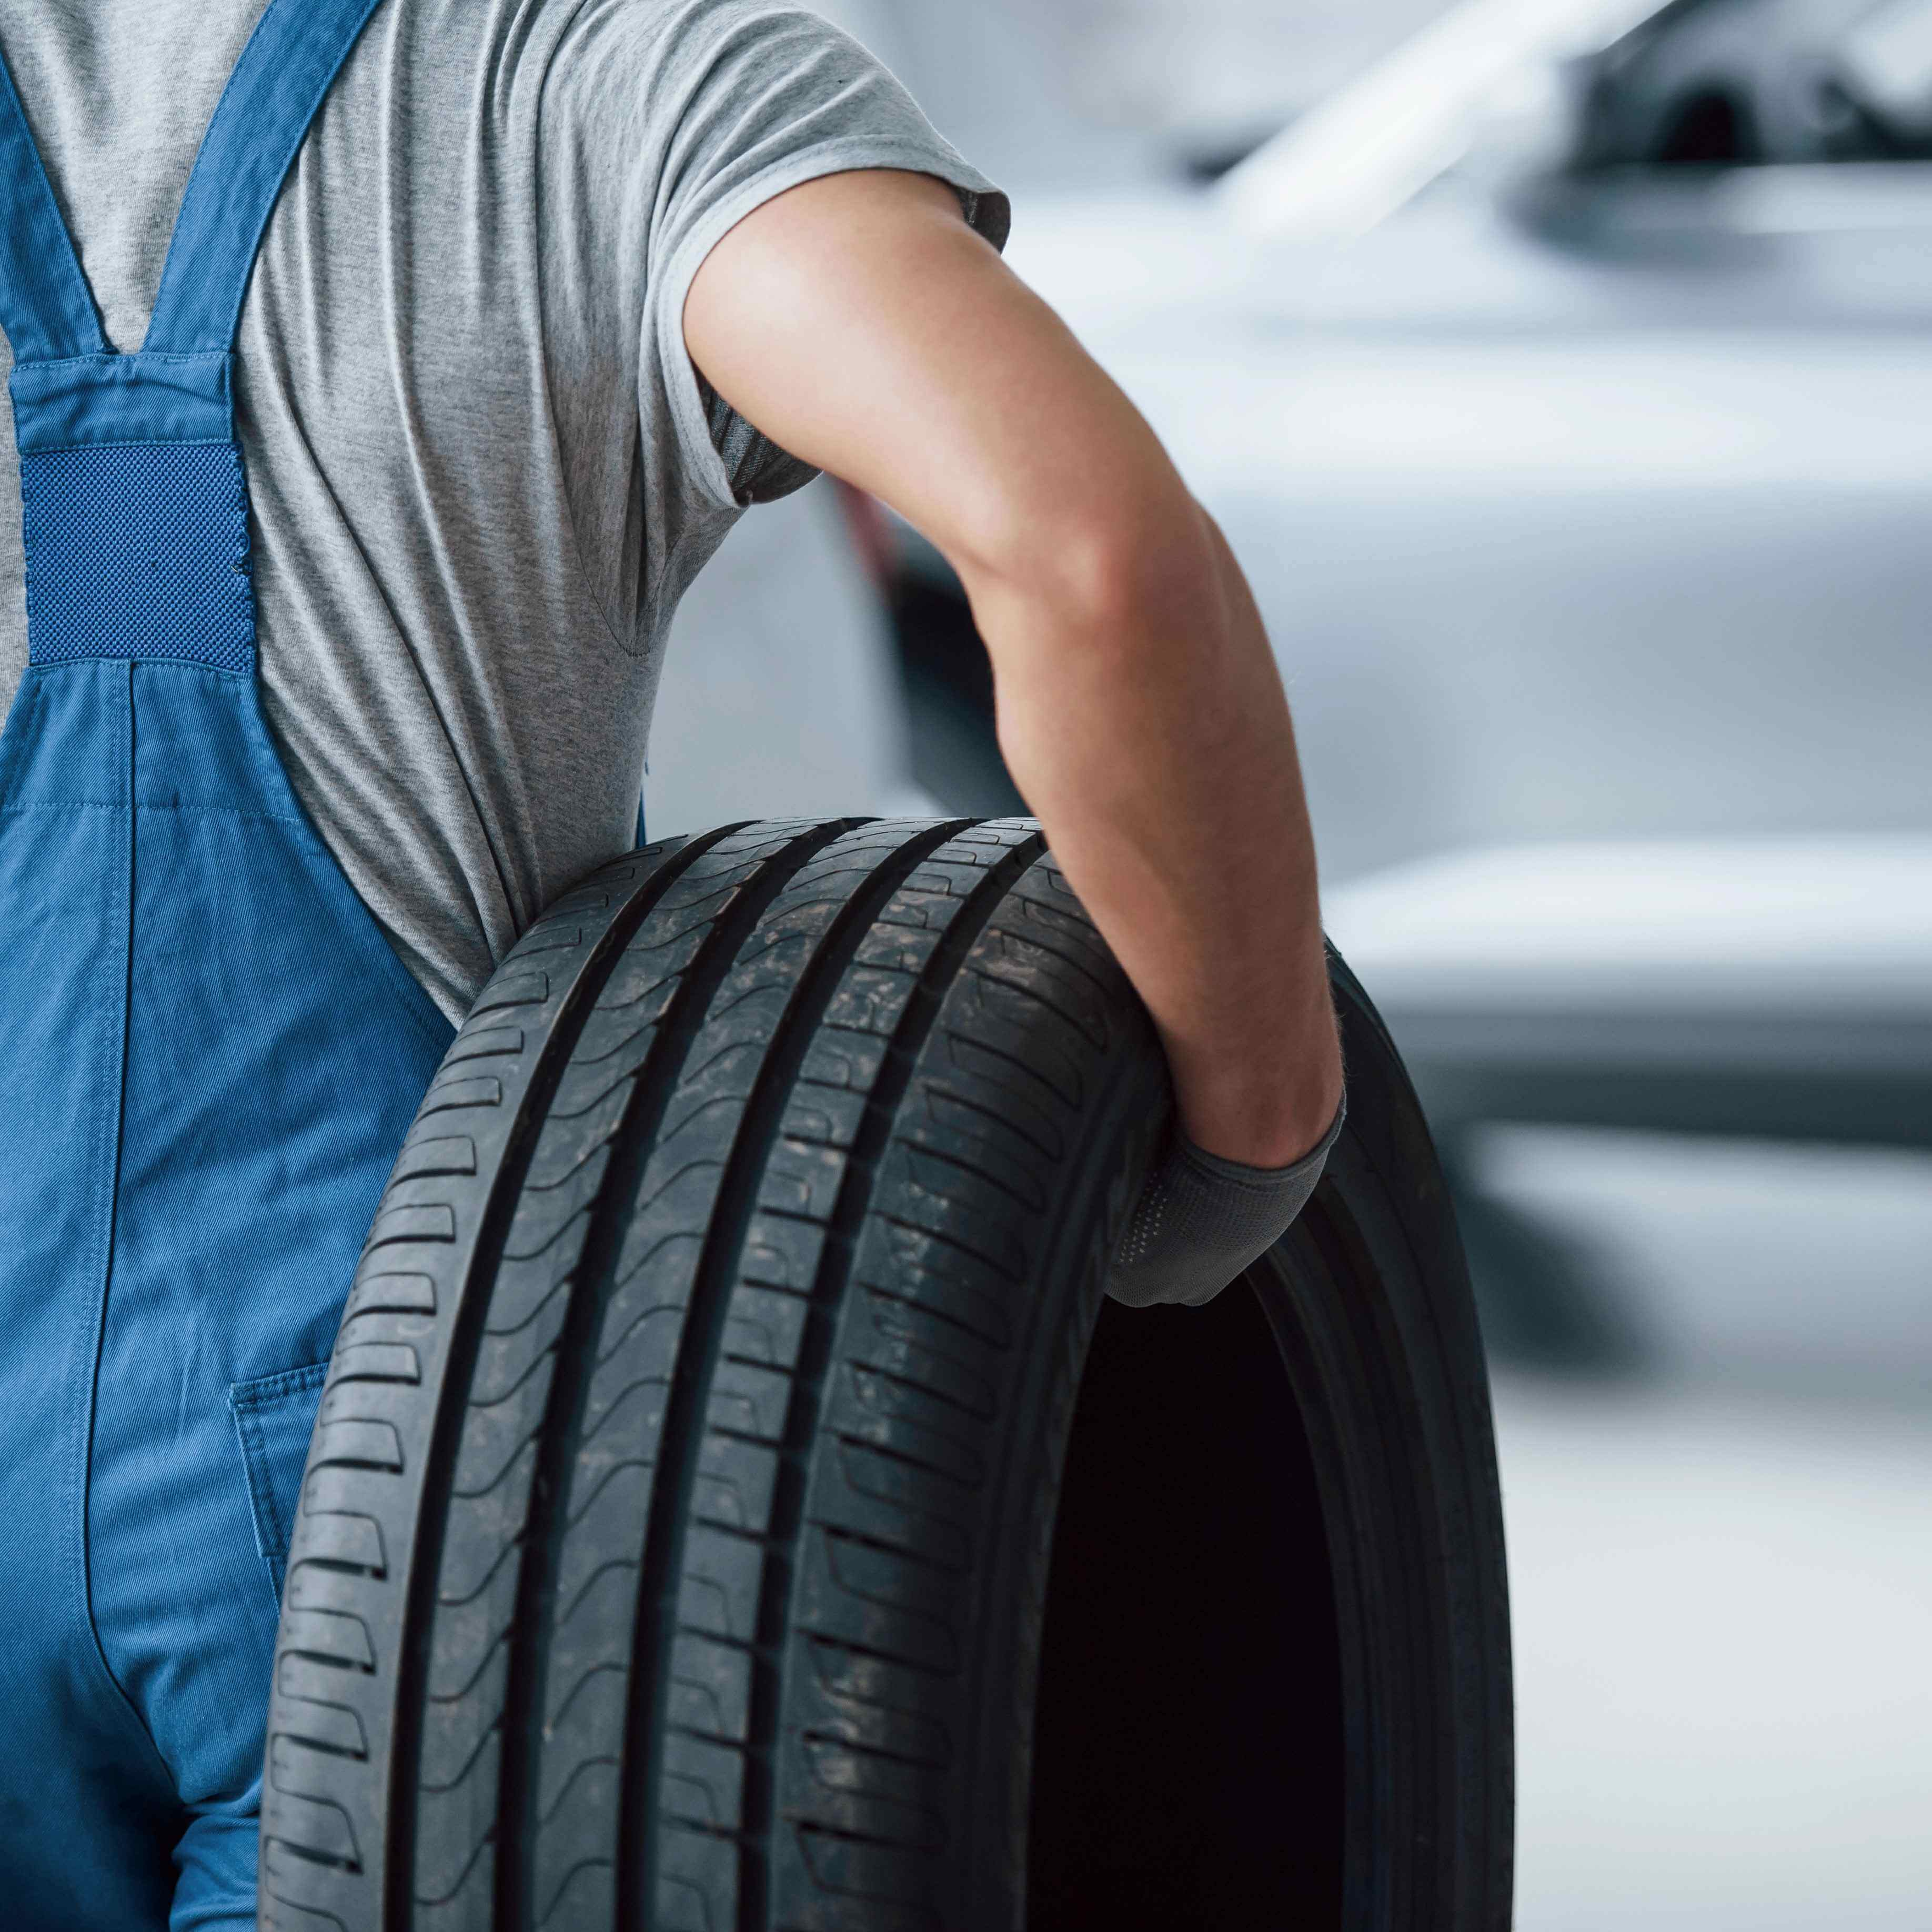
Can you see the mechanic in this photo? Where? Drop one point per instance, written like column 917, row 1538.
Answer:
column 331, row 639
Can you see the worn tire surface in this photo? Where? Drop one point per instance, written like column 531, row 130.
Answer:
column 675, row 1540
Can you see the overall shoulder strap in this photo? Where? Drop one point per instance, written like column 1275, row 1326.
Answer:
column 282, row 79
column 46, row 306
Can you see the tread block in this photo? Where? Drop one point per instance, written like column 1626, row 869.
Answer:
column 383, row 1324
column 718, row 1595
column 874, row 1405
column 392, row 1294
column 704, row 1782
column 864, row 1794
column 781, row 1254
column 895, row 1501
column 361, row 1444
column 282, row 1915
column 530, row 988
column 587, row 1735
column 921, row 1324
column 856, row 1596
column 751, row 1400
column 698, row 1882
column 507, row 1359
column 456, row 1730
column 328, row 1637
column 324, row 1586
column 325, row 1726
column 449, row 1097
column 546, row 1217
column 862, row 1870
column 488, row 1042
column 732, row 1485
column 911, row 1365
column 499, row 1443
column 297, row 1766
column 867, row 1702
column 480, row 1551
column 710, row 1686
column 764, row 1328
column 607, row 1527
column 366, row 1361
column 317, row 1829
column 436, row 1159
column 433, row 1222
column 346, row 1490
column 586, row 1896
column 345, row 1541
column 465, row 1903
column 394, row 1405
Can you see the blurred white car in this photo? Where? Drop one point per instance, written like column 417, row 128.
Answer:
column 1591, row 505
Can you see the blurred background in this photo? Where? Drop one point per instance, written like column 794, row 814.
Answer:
column 1560, row 371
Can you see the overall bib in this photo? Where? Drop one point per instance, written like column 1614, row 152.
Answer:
column 208, row 1058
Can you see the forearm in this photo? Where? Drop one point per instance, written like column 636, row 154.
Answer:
column 862, row 326
column 1150, row 733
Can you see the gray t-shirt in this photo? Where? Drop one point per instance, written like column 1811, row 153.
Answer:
column 483, row 469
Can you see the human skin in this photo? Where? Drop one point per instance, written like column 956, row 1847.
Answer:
column 860, row 323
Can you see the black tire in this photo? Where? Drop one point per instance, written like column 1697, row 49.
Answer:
column 675, row 1545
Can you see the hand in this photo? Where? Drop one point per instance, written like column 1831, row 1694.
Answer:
column 1201, row 1220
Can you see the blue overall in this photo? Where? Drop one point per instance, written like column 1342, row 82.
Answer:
column 208, row 1057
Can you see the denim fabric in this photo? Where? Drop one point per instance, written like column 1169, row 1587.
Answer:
column 46, row 306
column 213, row 1057
column 283, row 77
column 274, row 1417
column 80, row 400
column 208, row 1057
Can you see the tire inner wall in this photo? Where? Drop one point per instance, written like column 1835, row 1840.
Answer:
column 1188, row 1747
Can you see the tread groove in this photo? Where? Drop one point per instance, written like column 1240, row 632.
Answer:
column 412, row 1673
column 759, row 1128
column 916, row 1022
column 594, row 1275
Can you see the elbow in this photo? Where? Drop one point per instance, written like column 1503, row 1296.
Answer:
column 1121, row 572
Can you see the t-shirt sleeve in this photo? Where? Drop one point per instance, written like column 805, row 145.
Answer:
column 765, row 98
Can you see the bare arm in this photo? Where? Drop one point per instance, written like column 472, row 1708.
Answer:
column 860, row 324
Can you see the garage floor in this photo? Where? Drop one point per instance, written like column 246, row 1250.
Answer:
column 1721, row 1566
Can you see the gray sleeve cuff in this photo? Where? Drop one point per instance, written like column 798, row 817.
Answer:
column 1200, row 1220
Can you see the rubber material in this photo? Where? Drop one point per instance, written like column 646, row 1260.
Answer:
column 1201, row 1221
column 1275, row 1681
column 674, row 1546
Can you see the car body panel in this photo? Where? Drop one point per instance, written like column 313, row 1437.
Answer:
column 1531, row 571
